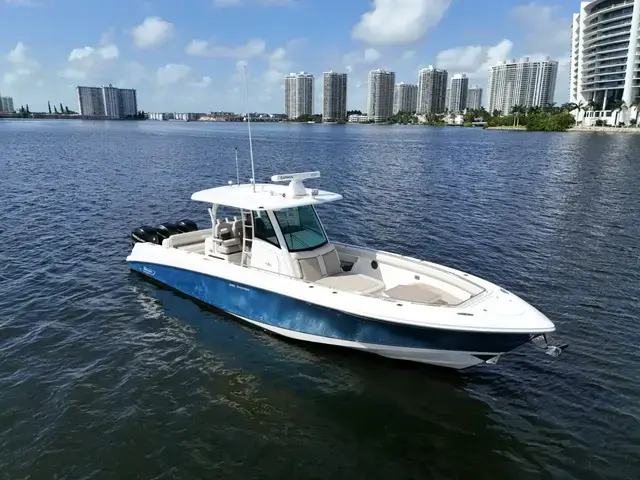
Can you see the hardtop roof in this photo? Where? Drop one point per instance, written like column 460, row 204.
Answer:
column 267, row 196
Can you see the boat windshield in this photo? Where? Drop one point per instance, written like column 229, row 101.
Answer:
column 301, row 228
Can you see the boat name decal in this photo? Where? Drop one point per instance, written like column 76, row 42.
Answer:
column 148, row 271
column 233, row 285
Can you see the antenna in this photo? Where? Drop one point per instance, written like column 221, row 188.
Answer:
column 237, row 169
column 246, row 93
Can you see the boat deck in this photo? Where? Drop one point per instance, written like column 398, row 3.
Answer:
column 425, row 291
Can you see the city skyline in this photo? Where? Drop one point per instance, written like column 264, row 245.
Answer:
column 191, row 59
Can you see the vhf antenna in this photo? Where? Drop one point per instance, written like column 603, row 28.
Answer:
column 246, row 93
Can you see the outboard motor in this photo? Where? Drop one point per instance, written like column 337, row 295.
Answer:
column 146, row 234
column 186, row 225
column 165, row 230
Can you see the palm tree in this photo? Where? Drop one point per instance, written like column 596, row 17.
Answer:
column 636, row 104
column 579, row 107
column 516, row 110
column 550, row 107
column 534, row 110
column 618, row 106
column 568, row 107
column 497, row 113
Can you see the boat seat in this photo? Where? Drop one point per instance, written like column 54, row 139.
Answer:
column 353, row 282
column 421, row 293
column 226, row 243
column 236, row 228
column 323, row 267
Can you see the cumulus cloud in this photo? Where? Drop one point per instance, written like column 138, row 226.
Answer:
column 172, row 73
column 204, row 82
column 106, row 52
column 352, row 59
column 278, row 65
column 394, row 22
column 202, row 48
column 85, row 62
column 21, row 64
column 153, row 31
column 474, row 59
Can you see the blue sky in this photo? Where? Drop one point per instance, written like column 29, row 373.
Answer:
column 188, row 55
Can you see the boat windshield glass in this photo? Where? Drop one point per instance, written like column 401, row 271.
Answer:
column 301, row 228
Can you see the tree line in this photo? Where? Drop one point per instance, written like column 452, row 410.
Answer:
column 64, row 110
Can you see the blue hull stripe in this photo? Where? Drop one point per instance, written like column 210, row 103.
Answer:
column 281, row 311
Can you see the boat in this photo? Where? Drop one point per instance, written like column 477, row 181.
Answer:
column 268, row 260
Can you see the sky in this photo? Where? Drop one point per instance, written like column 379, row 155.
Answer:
column 190, row 55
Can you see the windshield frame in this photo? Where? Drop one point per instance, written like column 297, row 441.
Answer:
column 288, row 236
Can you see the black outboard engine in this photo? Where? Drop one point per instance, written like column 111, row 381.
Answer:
column 146, row 234
column 186, row 225
column 165, row 230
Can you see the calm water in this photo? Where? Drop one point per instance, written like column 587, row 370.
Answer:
column 103, row 375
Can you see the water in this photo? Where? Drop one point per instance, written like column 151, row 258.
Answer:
column 103, row 375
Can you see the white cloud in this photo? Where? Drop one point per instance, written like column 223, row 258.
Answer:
column 88, row 62
column 22, row 65
column 371, row 55
column 204, row 82
column 106, row 52
column 172, row 73
column 352, row 59
column 394, row 22
column 153, row 31
column 18, row 54
column 203, row 48
column 278, row 65
column 474, row 60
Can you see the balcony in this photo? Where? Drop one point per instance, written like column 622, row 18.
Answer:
column 616, row 32
column 605, row 21
column 604, row 7
column 607, row 55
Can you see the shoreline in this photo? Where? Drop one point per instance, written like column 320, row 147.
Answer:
column 605, row 129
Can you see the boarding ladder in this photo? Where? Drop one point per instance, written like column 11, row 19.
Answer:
column 247, row 237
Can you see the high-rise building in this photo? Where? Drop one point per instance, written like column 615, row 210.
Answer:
column 128, row 102
column 432, row 90
column 474, row 98
column 525, row 83
column 90, row 101
column 6, row 104
column 605, row 55
column 405, row 98
column 380, row 100
column 111, row 98
column 334, row 96
column 111, row 102
column 458, row 93
column 298, row 94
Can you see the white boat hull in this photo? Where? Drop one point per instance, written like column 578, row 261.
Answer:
column 445, row 336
